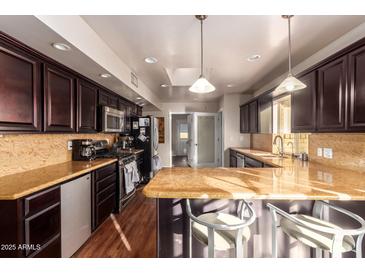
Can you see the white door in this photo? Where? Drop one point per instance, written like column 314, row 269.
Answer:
column 204, row 143
column 190, row 142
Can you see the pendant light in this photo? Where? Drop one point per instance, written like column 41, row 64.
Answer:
column 201, row 85
column 290, row 83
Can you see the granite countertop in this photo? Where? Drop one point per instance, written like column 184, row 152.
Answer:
column 22, row 184
column 290, row 179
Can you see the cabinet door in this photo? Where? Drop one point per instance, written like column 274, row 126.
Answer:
column 303, row 105
column 127, row 108
column 244, row 119
column 20, row 91
column 357, row 90
column 253, row 116
column 59, row 94
column 331, row 96
column 86, row 106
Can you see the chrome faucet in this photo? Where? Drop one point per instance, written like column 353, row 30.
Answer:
column 292, row 148
column 280, row 148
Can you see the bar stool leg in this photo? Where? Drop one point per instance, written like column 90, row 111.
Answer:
column 238, row 244
column 274, row 244
column 318, row 253
column 359, row 246
column 337, row 245
column 210, row 242
column 190, row 239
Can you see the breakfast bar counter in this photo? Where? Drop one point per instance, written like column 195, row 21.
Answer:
column 291, row 184
column 289, row 179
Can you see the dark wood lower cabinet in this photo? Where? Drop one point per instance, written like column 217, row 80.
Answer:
column 31, row 226
column 104, row 188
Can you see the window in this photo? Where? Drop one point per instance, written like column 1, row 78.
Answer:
column 183, row 132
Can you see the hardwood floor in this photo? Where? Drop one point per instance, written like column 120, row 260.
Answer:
column 129, row 234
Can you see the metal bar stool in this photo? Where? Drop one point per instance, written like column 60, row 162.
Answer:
column 221, row 231
column 317, row 233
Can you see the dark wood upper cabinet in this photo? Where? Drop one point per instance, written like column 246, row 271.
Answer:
column 244, row 119
column 253, row 116
column 86, row 106
column 303, row 105
column 59, row 100
column 127, row 108
column 107, row 99
column 332, row 96
column 20, row 91
column 357, row 90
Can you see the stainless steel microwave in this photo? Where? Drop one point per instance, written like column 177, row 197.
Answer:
column 112, row 120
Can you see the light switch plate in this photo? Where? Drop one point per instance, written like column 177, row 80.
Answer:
column 69, row 145
column 319, row 152
column 327, row 153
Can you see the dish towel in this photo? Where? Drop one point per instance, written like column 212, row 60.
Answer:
column 128, row 174
column 156, row 163
column 135, row 173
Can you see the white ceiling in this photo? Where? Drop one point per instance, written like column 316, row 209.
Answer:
column 229, row 40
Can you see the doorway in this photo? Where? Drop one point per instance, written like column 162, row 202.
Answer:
column 205, row 142
column 179, row 140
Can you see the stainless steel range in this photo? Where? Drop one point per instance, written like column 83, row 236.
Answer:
column 126, row 161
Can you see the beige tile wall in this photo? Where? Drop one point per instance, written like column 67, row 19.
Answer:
column 348, row 149
column 262, row 141
column 20, row 153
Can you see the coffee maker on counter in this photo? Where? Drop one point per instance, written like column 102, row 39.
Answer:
column 83, row 150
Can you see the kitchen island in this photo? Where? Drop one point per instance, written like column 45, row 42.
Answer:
column 290, row 183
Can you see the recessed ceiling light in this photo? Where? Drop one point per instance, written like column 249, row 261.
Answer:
column 61, row 46
column 138, row 98
column 105, row 75
column 164, row 85
column 254, row 58
column 151, row 60
column 230, row 86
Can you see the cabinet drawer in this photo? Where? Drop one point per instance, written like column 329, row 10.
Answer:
column 104, row 209
column 249, row 162
column 42, row 227
column 101, row 185
column 40, row 201
column 105, row 172
column 105, row 193
column 52, row 249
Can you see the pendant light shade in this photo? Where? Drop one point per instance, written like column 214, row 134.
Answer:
column 201, row 85
column 290, row 83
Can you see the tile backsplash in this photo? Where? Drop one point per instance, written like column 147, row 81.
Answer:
column 19, row 153
column 348, row 149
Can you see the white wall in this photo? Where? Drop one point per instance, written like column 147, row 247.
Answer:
column 164, row 150
column 230, row 106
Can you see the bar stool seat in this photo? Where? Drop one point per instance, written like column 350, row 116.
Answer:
column 315, row 232
column 223, row 240
column 312, row 238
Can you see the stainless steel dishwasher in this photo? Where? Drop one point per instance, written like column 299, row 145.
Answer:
column 75, row 214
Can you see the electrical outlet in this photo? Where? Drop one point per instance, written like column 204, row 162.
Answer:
column 327, row 153
column 69, row 145
column 319, row 152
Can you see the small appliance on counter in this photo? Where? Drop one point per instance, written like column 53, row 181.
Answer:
column 83, row 150
column 145, row 133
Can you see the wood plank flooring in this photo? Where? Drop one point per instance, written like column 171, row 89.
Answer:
column 129, row 234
